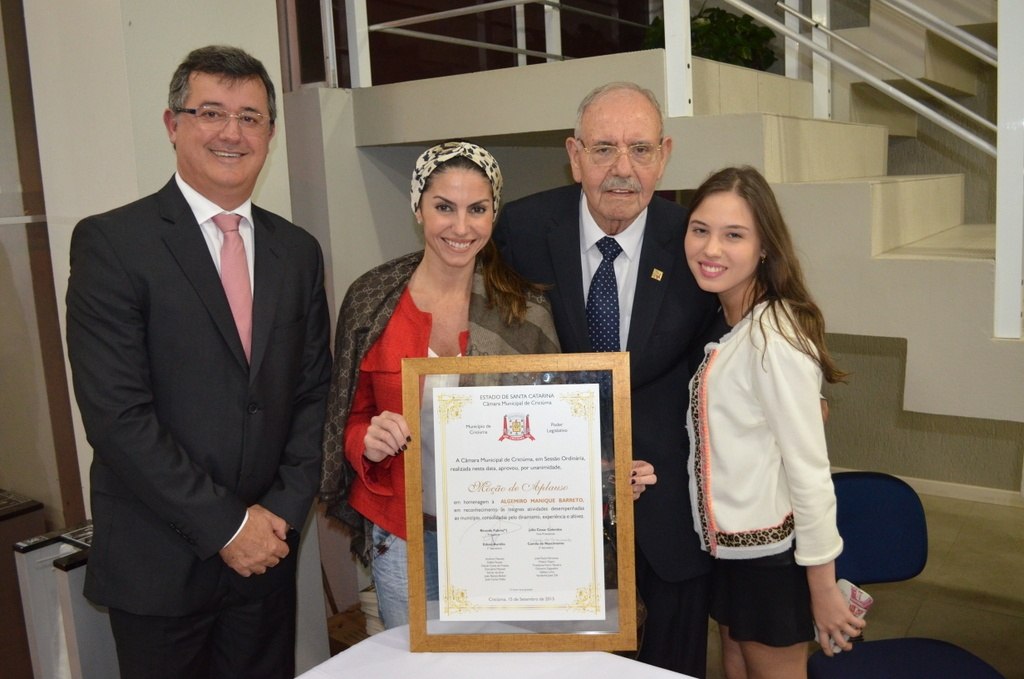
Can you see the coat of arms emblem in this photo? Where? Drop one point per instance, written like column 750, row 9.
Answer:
column 516, row 427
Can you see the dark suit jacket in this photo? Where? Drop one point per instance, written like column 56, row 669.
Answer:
column 539, row 237
column 185, row 434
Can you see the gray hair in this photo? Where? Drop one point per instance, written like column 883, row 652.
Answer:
column 230, row 63
column 607, row 88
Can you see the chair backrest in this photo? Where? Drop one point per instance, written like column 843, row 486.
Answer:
column 883, row 527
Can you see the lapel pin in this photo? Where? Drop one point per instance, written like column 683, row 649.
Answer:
column 656, row 274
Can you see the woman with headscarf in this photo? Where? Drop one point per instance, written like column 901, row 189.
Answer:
column 455, row 297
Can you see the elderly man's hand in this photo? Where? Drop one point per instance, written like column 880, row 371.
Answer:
column 261, row 544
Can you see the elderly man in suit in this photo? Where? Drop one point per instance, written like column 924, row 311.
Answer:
column 611, row 253
column 197, row 331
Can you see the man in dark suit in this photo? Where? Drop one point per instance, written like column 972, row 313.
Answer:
column 202, row 393
column 617, row 155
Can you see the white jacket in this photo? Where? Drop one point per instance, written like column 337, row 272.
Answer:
column 759, row 469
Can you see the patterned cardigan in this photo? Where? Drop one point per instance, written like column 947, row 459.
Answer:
column 364, row 314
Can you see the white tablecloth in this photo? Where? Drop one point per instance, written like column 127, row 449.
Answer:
column 386, row 656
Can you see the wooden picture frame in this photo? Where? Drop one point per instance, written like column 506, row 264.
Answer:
column 604, row 378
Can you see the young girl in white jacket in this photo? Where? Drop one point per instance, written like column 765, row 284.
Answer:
column 760, row 484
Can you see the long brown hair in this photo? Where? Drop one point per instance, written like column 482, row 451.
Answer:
column 778, row 280
column 506, row 289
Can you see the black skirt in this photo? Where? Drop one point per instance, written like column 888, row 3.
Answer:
column 766, row 600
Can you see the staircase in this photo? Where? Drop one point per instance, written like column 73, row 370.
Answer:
column 887, row 255
column 916, row 51
column 921, row 231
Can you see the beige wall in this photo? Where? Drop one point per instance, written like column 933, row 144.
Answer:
column 27, row 461
column 27, row 449
column 869, row 429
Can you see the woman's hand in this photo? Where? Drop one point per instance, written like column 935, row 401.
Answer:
column 832, row 615
column 641, row 477
column 387, row 435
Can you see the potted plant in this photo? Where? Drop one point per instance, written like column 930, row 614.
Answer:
column 722, row 36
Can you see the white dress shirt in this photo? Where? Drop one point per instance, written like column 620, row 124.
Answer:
column 631, row 240
column 205, row 210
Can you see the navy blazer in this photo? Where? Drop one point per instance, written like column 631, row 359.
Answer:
column 539, row 237
column 185, row 433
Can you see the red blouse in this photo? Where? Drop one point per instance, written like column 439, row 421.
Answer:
column 378, row 492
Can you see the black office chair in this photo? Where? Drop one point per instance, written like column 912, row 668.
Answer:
column 886, row 540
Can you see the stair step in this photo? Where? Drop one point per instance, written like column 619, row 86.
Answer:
column 490, row 104
column 784, row 148
column 871, row 107
column 958, row 12
column 720, row 88
column 909, row 209
column 964, row 241
column 917, row 52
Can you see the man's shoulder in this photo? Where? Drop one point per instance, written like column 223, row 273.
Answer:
column 537, row 214
column 284, row 230
column 544, row 200
column 664, row 209
column 276, row 221
column 125, row 217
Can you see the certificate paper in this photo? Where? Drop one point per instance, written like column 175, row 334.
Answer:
column 518, row 481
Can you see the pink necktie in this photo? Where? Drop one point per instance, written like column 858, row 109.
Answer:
column 234, row 275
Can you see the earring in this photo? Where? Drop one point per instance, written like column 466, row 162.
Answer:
column 763, row 257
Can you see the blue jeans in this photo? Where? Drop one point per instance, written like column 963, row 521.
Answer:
column 389, row 568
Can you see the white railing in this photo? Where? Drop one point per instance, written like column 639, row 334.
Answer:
column 359, row 30
column 954, row 34
column 916, row 82
column 876, row 82
column 1008, row 293
column 1009, row 286
column 1009, row 269
column 679, row 90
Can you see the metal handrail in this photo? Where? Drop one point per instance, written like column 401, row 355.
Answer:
column 465, row 42
column 917, row 82
column 497, row 4
column 586, row 12
column 449, row 14
column 330, row 54
column 877, row 83
column 954, row 34
column 359, row 53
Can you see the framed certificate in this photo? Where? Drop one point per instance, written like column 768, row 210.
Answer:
column 518, row 504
